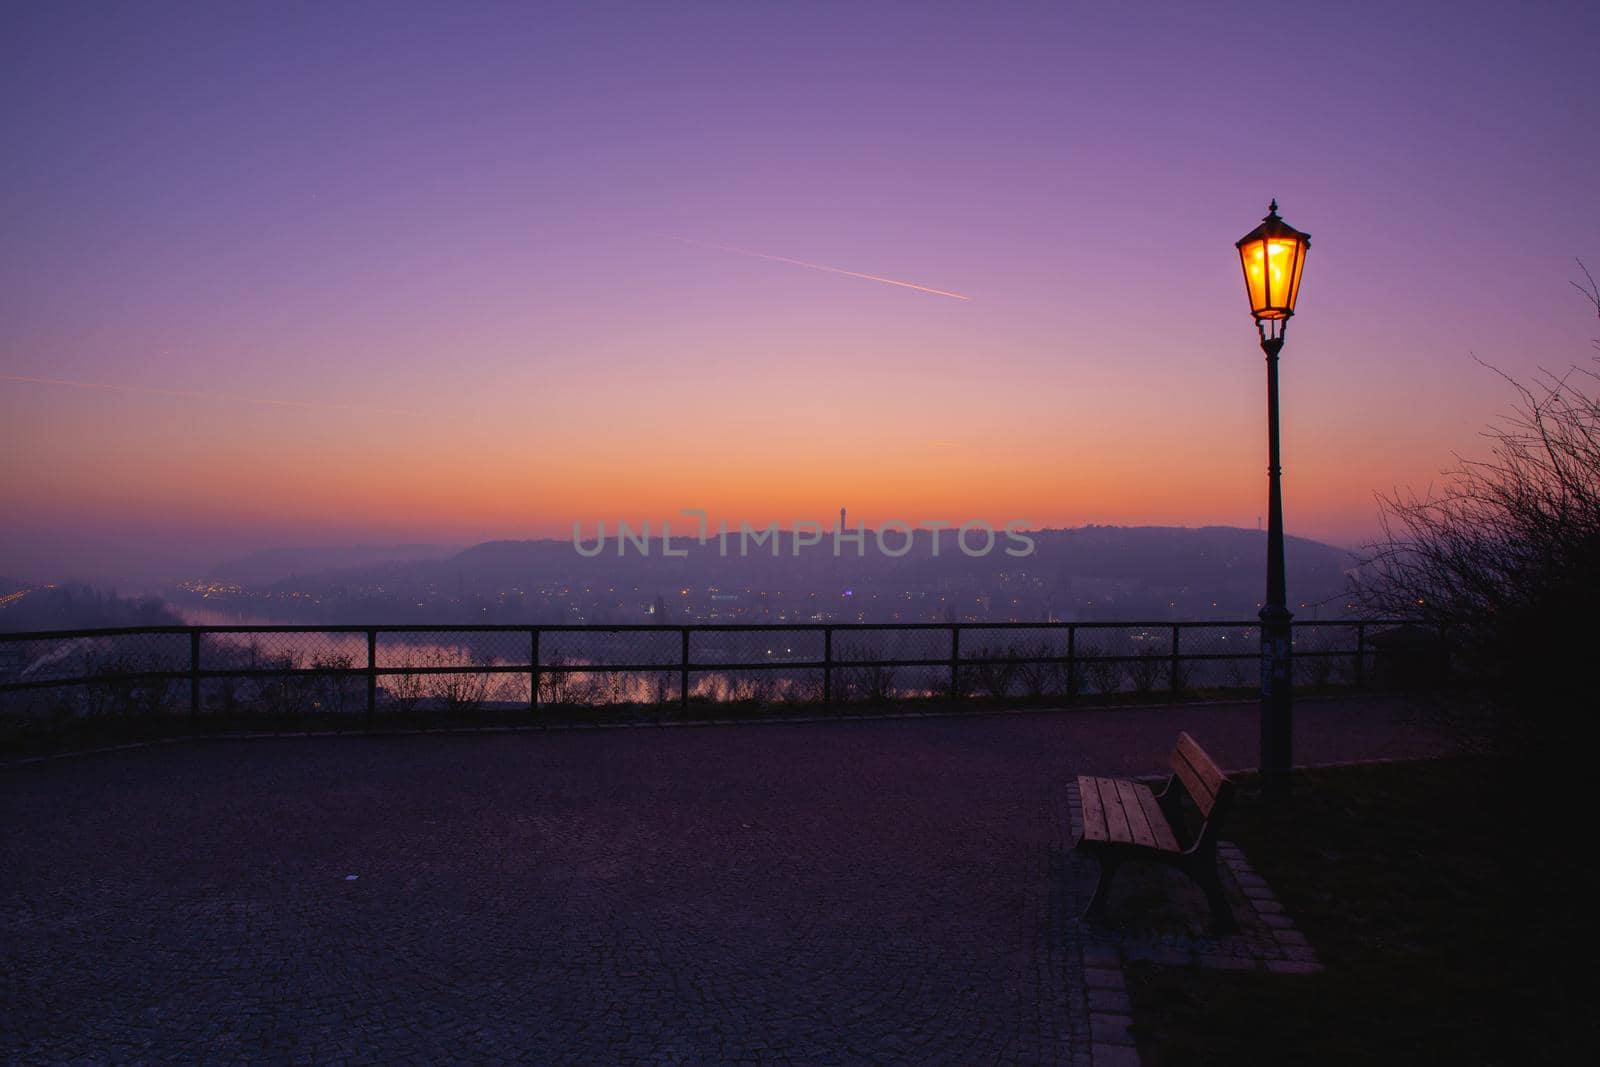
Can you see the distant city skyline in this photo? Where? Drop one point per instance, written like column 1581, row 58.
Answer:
column 429, row 273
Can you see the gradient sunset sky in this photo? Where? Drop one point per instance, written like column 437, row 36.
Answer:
column 337, row 273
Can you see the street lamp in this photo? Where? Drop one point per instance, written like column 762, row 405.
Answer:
column 1273, row 256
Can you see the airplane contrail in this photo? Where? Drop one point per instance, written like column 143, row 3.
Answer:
column 191, row 394
column 814, row 266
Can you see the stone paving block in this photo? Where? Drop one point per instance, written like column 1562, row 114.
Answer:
column 1110, row 1029
column 1104, row 978
column 1103, row 956
column 1293, row 967
column 1219, row 962
column 1109, row 1001
column 1115, row 1056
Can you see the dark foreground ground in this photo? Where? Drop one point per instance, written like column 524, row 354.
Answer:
column 881, row 891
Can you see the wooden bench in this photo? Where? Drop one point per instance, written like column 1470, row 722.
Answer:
column 1124, row 820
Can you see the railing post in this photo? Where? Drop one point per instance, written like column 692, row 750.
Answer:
column 683, row 672
column 827, row 666
column 1072, row 663
column 372, row 677
column 955, row 661
column 533, row 669
column 1361, row 655
column 1176, row 682
column 194, row 674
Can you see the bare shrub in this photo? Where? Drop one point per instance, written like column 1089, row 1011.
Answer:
column 405, row 691
column 993, row 671
column 460, row 689
column 122, row 692
column 856, row 678
column 1315, row 671
column 555, row 683
column 1102, row 675
column 336, row 692
column 1504, row 556
column 1146, row 670
column 1038, row 677
column 871, row 682
column 1233, row 673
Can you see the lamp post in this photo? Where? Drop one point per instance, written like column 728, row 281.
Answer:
column 1273, row 256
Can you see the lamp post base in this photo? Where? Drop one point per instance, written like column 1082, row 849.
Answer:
column 1277, row 711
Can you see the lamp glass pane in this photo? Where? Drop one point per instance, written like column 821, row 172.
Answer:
column 1252, row 254
column 1272, row 275
column 1294, row 277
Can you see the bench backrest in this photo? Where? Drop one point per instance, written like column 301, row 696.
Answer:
column 1202, row 779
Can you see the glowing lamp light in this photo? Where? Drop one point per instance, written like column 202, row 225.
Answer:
column 1273, row 256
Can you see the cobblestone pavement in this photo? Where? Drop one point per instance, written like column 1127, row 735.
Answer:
column 894, row 891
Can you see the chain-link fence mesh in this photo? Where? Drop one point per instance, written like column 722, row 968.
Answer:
column 1324, row 655
column 451, row 671
column 275, row 676
column 122, row 674
column 1224, row 657
column 599, row 667
column 1022, row 661
column 875, row 666
column 749, row 666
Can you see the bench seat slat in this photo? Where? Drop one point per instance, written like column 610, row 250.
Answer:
column 1116, row 819
column 1138, row 822
column 1094, row 815
column 1119, row 811
column 1166, row 840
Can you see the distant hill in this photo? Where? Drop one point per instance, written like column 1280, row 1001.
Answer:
column 1156, row 554
column 274, row 564
column 1085, row 572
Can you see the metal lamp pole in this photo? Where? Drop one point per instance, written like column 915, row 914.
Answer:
column 1277, row 644
column 1273, row 256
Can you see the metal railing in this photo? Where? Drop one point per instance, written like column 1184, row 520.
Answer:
column 373, row 668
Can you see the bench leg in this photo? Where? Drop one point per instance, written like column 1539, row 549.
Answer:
column 1102, row 889
column 1205, row 874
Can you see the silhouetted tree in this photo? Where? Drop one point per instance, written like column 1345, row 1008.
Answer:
column 1506, row 555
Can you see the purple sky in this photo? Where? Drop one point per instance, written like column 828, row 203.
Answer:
column 473, row 247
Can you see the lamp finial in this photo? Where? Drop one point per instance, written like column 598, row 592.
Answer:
column 1272, row 208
